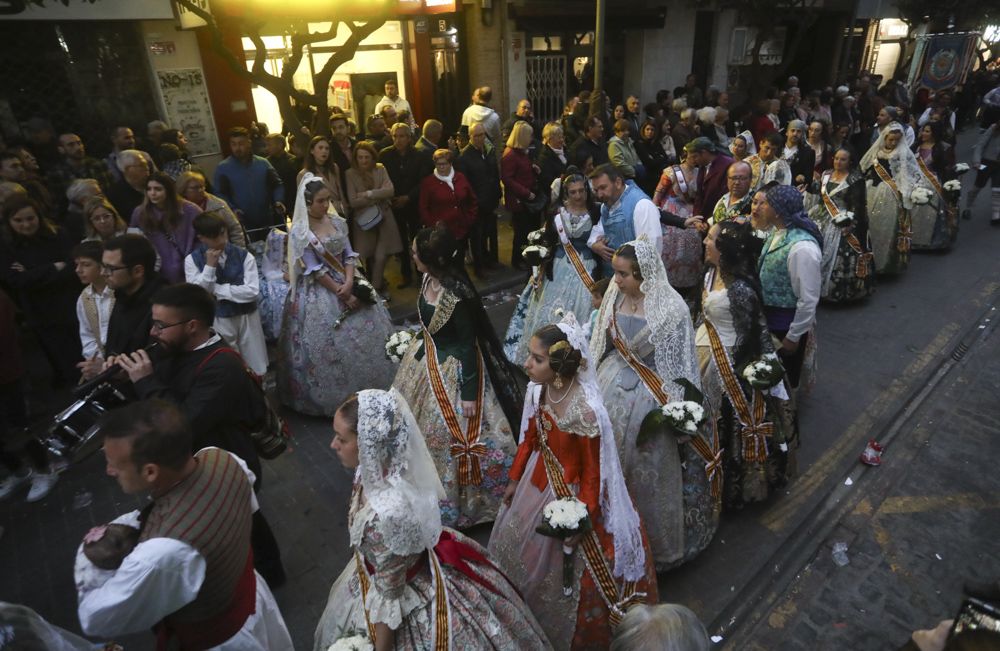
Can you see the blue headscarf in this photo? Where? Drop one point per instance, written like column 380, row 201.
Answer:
column 787, row 202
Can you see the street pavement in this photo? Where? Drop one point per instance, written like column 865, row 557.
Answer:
column 767, row 579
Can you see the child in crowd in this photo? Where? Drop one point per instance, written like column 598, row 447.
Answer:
column 230, row 274
column 102, row 551
column 596, row 298
column 93, row 308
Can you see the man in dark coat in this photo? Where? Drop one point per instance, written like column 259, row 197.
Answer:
column 406, row 167
column 591, row 143
column 711, row 174
column 551, row 157
column 478, row 163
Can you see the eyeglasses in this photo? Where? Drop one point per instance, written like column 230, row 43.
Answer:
column 108, row 269
column 157, row 326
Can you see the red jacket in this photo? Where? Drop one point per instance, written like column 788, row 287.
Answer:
column 518, row 178
column 439, row 203
column 711, row 185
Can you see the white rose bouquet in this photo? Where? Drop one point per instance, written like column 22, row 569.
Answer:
column 764, row 373
column 920, row 196
column 396, row 345
column 352, row 643
column 537, row 236
column 684, row 416
column 953, row 185
column 961, row 168
column 564, row 518
column 843, row 218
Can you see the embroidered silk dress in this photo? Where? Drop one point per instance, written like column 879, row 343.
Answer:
column 450, row 324
column 666, row 480
column 889, row 222
column 273, row 283
column 535, row 562
column 484, row 610
column 324, row 354
column 935, row 224
column 735, row 313
column 848, row 269
column 681, row 246
column 565, row 291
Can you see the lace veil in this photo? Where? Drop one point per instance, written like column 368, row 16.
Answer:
column 670, row 329
column 397, row 473
column 299, row 235
column 751, row 143
column 902, row 163
column 620, row 517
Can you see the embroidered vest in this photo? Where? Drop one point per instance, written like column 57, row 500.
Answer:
column 619, row 226
column 210, row 510
column 230, row 273
column 775, row 280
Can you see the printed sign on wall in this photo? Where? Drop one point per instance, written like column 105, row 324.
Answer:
column 185, row 98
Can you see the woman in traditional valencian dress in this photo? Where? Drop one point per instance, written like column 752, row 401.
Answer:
column 733, row 333
column 568, row 450
column 675, row 194
column 464, row 392
column 273, row 283
column 411, row 584
column 644, row 342
column 935, row 224
column 328, row 335
column 892, row 174
column 564, row 281
column 840, row 210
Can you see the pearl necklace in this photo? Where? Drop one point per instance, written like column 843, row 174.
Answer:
column 553, row 401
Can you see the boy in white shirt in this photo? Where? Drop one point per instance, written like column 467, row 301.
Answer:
column 93, row 307
column 230, row 274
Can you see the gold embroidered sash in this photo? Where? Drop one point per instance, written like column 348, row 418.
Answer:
column 865, row 260
column 617, row 602
column 886, row 177
column 573, row 256
column 929, row 175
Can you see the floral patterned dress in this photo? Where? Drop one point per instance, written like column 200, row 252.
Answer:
column 666, row 480
column 535, row 562
column 450, row 325
column 484, row 609
column 325, row 355
column 682, row 254
column 273, row 283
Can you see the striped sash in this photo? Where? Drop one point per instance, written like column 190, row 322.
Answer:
column 573, row 256
column 929, row 175
column 711, row 454
column 466, row 447
column 754, row 428
column 364, row 581
column 617, row 602
column 865, row 260
column 886, row 177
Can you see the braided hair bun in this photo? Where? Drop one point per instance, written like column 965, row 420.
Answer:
column 564, row 360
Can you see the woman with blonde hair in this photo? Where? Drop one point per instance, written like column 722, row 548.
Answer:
column 101, row 221
column 663, row 627
column 192, row 186
column 518, row 175
column 373, row 228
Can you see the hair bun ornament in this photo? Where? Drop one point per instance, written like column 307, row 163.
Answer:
column 559, row 345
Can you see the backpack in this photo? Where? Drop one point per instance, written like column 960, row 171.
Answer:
column 271, row 437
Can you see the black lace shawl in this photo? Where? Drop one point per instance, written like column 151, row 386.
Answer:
column 753, row 339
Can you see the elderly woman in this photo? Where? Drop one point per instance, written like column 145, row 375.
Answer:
column 686, row 129
column 192, row 186
column 552, row 158
column 374, row 233
column 446, row 197
column 706, row 123
column 518, row 176
column 663, row 627
column 101, row 221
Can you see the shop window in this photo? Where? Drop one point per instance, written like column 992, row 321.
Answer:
column 545, row 43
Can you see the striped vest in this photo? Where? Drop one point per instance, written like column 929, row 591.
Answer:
column 209, row 510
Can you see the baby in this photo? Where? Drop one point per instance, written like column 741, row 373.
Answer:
column 103, row 549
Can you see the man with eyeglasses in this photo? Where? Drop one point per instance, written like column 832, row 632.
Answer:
column 735, row 204
column 207, row 379
column 128, row 266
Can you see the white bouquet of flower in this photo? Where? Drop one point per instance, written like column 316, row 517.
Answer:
column 764, row 373
column 953, row 185
column 537, row 237
column 961, row 168
column 535, row 254
column 352, row 643
column 396, row 345
column 920, row 196
column 843, row 218
column 564, row 518
column 685, row 416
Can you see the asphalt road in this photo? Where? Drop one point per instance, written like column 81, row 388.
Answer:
column 872, row 358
